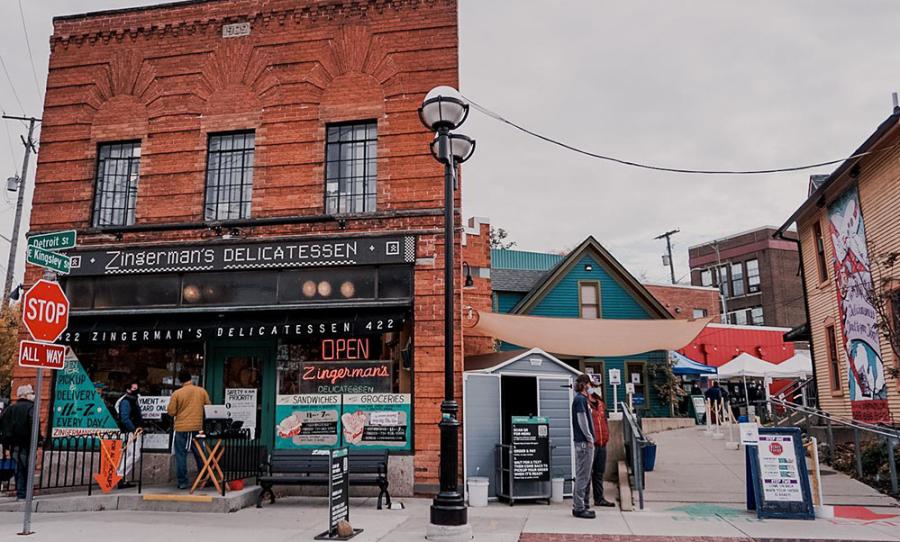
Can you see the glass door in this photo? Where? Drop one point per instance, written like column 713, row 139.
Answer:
column 241, row 376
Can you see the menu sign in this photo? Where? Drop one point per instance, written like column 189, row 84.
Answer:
column 376, row 420
column 346, row 377
column 777, row 474
column 778, row 468
column 307, row 421
column 241, row 256
column 530, row 448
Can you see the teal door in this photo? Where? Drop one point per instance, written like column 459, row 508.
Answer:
column 245, row 365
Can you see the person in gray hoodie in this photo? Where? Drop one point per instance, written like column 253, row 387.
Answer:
column 583, row 442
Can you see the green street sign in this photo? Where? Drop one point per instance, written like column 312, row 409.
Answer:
column 53, row 241
column 50, row 260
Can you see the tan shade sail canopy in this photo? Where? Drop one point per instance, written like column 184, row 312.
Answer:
column 577, row 337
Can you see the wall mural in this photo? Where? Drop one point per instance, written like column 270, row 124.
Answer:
column 853, row 282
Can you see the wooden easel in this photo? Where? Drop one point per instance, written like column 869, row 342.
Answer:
column 210, row 471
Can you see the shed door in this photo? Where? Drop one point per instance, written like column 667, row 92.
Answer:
column 555, row 404
column 481, row 425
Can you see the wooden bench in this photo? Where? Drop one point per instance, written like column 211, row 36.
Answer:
column 303, row 468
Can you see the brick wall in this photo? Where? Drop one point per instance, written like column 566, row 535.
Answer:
column 681, row 301
column 477, row 253
column 167, row 77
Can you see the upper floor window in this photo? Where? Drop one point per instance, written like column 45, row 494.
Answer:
column 737, row 279
column 756, row 316
column 699, row 313
column 706, row 278
column 752, row 276
column 723, row 281
column 589, row 299
column 834, row 368
column 820, row 252
column 229, row 175
column 118, row 172
column 351, row 168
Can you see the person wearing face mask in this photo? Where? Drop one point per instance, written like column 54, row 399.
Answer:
column 601, row 438
column 131, row 422
column 15, row 428
column 583, row 442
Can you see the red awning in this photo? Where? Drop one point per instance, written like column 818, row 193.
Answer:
column 582, row 337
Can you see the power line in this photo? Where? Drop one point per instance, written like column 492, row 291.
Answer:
column 641, row 165
column 30, row 55
column 11, row 85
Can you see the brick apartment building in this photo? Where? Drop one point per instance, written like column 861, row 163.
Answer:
column 683, row 301
column 255, row 201
column 759, row 276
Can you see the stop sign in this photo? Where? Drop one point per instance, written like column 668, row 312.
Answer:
column 46, row 311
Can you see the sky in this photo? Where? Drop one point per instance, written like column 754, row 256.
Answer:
column 701, row 84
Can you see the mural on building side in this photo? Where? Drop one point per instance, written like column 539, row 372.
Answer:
column 853, row 281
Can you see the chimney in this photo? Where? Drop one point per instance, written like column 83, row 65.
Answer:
column 896, row 103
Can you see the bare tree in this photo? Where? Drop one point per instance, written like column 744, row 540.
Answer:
column 10, row 321
column 499, row 239
column 884, row 295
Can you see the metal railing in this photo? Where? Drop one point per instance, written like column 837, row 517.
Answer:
column 242, row 458
column 72, row 461
column 635, row 441
column 806, row 417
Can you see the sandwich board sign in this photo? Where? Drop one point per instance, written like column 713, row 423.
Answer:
column 778, row 485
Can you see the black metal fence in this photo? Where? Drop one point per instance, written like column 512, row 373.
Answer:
column 635, row 441
column 242, row 457
column 73, row 461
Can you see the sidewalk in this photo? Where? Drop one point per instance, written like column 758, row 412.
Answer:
column 301, row 518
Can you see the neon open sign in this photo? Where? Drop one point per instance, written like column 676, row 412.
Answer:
column 345, row 349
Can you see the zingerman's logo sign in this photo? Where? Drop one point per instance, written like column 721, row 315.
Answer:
column 243, row 256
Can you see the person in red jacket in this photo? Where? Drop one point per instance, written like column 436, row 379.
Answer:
column 601, row 438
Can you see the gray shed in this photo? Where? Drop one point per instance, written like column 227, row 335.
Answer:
column 500, row 385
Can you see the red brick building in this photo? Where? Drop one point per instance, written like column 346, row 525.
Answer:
column 684, row 302
column 255, row 200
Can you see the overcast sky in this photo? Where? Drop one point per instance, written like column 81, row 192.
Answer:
column 693, row 84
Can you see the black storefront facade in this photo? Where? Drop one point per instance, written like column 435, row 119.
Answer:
column 307, row 341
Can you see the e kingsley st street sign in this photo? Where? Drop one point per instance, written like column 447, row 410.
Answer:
column 49, row 260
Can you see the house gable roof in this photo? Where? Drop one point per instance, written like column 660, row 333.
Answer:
column 493, row 362
column 591, row 247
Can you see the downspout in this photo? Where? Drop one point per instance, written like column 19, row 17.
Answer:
column 812, row 355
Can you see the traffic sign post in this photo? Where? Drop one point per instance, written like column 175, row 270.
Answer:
column 49, row 260
column 46, row 316
column 53, row 241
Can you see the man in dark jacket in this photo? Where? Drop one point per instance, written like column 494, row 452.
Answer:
column 15, row 427
column 132, row 422
column 583, row 442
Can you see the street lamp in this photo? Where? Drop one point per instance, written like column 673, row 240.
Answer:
column 442, row 111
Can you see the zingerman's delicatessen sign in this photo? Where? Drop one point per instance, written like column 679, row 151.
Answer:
column 317, row 329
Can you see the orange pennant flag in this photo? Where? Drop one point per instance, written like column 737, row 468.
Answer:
column 110, row 456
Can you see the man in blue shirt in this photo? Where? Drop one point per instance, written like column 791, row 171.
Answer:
column 583, row 437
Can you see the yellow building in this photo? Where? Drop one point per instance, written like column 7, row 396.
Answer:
column 848, row 227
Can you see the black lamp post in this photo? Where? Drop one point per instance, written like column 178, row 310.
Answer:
column 442, row 111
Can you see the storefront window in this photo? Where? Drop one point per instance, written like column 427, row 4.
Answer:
column 326, row 285
column 394, row 281
column 152, row 290
column 231, row 288
column 95, row 378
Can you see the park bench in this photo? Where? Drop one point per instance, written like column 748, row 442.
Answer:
column 306, row 468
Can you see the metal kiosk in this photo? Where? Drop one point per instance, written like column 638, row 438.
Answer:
column 523, row 465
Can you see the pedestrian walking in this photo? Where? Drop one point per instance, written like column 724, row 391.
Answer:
column 186, row 406
column 583, row 442
column 15, row 431
column 601, row 438
column 131, row 422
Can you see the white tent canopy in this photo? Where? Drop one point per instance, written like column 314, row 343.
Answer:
column 747, row 366
column 797, row 366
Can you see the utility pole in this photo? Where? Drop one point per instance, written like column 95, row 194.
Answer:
column 668, row 235
column 14, row 240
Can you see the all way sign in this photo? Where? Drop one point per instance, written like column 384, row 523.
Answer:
column 41, row 355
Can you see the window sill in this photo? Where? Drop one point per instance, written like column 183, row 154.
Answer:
column 837, row 393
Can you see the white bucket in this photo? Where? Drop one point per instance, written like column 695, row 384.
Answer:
column 556, row 489
column 478, row 491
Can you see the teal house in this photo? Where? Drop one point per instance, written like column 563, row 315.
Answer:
column 588, row 282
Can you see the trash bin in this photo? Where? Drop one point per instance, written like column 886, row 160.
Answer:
column 478, row 491
column 648, row 456
column 556, row 489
